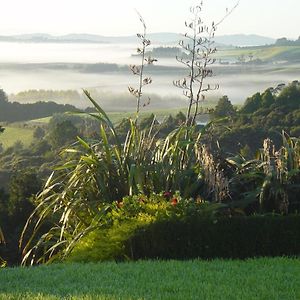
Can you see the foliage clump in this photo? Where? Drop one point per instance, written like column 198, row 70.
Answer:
column 111, row 240
column 262, row 116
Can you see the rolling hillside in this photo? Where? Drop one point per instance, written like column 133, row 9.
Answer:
column 266, row 53
column 13, row 134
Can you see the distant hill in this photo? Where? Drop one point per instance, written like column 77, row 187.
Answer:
column 165, row 38
column 159, row 38
column 244, row 40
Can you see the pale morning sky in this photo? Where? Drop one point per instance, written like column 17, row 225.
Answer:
column 271, row 18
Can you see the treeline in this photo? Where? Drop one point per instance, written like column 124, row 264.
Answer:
column 285, row 42
column 15, row 111
column 263, row 115
column 164, row 52
column 45, row 95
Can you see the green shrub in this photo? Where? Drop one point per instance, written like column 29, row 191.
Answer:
column 209, row 238
column 151, row 228
column 110, row 240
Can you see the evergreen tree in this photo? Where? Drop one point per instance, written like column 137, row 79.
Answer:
column 267, row 98
column 39, row 133
column 290, row 96
column 224, row 108
column 62, row 134
column 252, row 104
column 3, row 96
column 22, row 187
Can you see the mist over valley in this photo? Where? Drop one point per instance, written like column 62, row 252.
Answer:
column 105, row 67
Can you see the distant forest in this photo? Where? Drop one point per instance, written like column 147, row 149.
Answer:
column 285, row 42
column 31, row 96
column 14, row 111
column 164, row 52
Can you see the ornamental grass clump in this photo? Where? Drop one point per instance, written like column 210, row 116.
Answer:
column 269, row 183
column 77, row 196
column 2, row 241
column 282, row 175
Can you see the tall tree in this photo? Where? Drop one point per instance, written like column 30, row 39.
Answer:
column 3, row 99
column 62, row 134
column 267, row 98
column 224, row 108
column 252, row 104
column 3, row 96
column 39, row 133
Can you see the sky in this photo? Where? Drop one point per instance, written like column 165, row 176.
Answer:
column 271, row 18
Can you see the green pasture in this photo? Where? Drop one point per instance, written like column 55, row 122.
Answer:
column 40, row 121
column 23, row 131
column 263, row 53
column 13, row 134
column 117, row 116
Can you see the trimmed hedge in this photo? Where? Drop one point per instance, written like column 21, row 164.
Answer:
column 233, row 238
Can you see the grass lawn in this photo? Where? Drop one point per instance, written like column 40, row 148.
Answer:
column 277, row 278
column 13, row 134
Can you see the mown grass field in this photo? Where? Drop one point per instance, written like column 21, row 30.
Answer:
column 13, row 134
column 277, row 278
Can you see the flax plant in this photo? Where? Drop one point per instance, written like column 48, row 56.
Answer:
column 2, row 241
column 282, row 174
column 77, row 197
column 138, row 70
column 272, row 179
column 216, row 182
column 198, row 46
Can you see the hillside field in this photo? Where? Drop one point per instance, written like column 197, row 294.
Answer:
column 13, row 134
column 265, row 53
